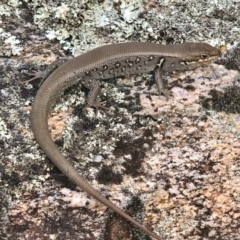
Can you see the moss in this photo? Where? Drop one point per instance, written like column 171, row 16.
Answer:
column 227, row 101
column 107, row 176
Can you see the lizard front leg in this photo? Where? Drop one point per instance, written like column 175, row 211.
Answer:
column 94, row 90
column 159, row 79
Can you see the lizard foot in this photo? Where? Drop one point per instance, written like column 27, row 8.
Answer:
column 166, row 93
column 96, row 105
column 36, row 75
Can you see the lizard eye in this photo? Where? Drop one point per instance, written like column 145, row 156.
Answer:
column 203, row 56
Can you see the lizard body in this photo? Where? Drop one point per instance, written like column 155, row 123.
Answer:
column 102, row 63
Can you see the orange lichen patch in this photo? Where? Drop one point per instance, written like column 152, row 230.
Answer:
column 223, row 48
column 160, row 200
column 45, row 52
column 45, row 58
column 26, row 133
column 220, row 203
column 57, row 124
column 153, row 5
column 161, row 197
column 225, row 153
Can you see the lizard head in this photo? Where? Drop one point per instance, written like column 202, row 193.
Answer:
column 200, row 52
column 189, row 55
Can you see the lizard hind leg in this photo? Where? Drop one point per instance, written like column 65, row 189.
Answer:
column 45, row 73
column 94, row 90
column 35, row 75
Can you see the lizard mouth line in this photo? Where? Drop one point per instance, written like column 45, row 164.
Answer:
column 202, row 61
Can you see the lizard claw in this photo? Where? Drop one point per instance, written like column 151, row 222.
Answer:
column 44, row 74
column 166, row 93
column 96, row 105
column 36, row 75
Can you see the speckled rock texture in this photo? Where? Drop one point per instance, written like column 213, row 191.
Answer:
column 172, row 164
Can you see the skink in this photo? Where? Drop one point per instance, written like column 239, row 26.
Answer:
column 102, row 63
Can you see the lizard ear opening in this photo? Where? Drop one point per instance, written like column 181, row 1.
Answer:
column 204, row 56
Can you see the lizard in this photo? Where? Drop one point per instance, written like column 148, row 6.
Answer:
column 106, row 62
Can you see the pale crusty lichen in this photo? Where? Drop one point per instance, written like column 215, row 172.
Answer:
column 83, row 25
column 9, row 44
